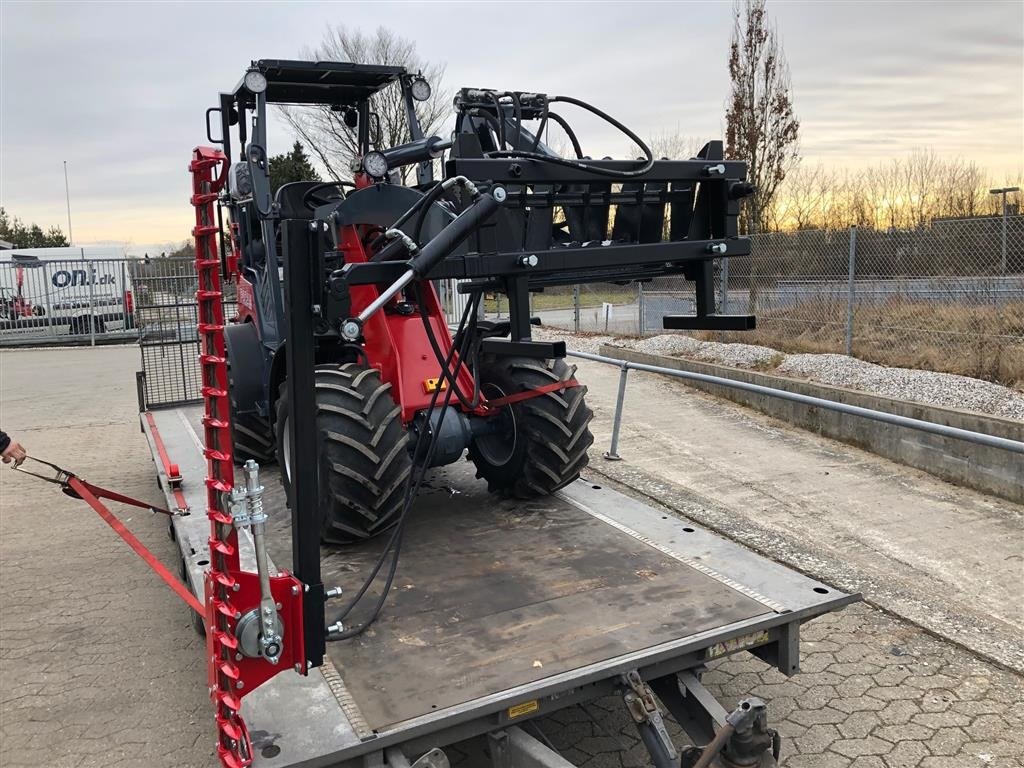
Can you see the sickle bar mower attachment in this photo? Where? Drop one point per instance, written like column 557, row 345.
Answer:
column 253, row 620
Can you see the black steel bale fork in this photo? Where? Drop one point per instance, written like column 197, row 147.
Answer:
column 675, row 219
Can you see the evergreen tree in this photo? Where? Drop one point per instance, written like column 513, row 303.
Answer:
column 14, row 231
column 292, row 166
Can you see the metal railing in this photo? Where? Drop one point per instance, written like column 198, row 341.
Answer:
column 943, row 430
column 62, row 301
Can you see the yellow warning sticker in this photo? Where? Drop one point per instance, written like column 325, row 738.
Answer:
column 432, row 385
column 737, row 644
column 523, row 709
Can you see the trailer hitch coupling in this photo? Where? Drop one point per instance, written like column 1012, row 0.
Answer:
column 745, row 741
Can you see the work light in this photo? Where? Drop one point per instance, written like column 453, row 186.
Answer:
column 255, row 81
column 375, row 165
column 420, row 89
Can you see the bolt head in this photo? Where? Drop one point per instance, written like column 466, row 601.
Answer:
column 499, row 194
column 239, row 685
column 350, row 330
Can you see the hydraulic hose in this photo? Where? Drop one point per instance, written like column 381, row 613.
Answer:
column 607, row 172
column 453, row 385
column 449, row 238
column 501, row 121
column 394, row 544
column 441, row 245
column 568, row 132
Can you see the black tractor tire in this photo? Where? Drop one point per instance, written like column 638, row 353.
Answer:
column 542, row 442
column 252, row 435
column 364, row 460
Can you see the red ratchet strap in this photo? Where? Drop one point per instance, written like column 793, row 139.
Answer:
column 103, row 493
column 91, row 494
column 529, row 394
column 84, row 491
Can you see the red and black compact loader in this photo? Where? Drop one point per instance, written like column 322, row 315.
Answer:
column 335, row 285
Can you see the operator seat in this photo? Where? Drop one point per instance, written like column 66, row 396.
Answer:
column 289, row 199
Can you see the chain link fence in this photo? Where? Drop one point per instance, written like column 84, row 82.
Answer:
column 600, row 307
column 946, row 297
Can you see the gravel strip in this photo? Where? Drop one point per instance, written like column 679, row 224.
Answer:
column 942, row 389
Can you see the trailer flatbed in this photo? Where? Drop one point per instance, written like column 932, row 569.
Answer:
column 502, row 610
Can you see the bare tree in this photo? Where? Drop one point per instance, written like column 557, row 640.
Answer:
column 908, row 191
column 806, row 199
column 761, row 127
column 324, row 131
column 671, row 145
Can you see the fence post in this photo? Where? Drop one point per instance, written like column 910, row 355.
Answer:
column 129, row 321
column 92, row 304
column 640, row 307
column 576, row 308
column 46, row 294
column 723, row 300
column 852, row 268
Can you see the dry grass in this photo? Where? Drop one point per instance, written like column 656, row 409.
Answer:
column 983, row 342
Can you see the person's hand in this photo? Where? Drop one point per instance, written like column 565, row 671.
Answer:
column 14, row 452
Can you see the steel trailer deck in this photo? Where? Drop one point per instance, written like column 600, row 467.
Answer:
column 501, row 610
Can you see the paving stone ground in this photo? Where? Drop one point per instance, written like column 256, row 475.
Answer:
column 873, row 692
column 99, row 665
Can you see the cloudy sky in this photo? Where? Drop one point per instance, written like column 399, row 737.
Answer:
column 118, row 90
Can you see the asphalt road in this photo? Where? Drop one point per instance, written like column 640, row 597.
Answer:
column 99, row 665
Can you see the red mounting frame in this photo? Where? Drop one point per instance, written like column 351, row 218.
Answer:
column 397, row 343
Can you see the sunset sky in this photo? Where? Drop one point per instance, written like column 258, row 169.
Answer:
column 119, row 90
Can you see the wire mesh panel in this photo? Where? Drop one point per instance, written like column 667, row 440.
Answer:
column 590, row 308
column 946, row 297
column 44, row 300
column 165, row 314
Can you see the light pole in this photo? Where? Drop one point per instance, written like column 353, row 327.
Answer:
column 1003, row 191
column 67, row 196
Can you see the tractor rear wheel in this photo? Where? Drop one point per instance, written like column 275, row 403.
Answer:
column 540, row 444
column 364, row 460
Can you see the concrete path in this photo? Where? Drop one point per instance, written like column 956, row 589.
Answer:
column 944, row 557
column 99, row 664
